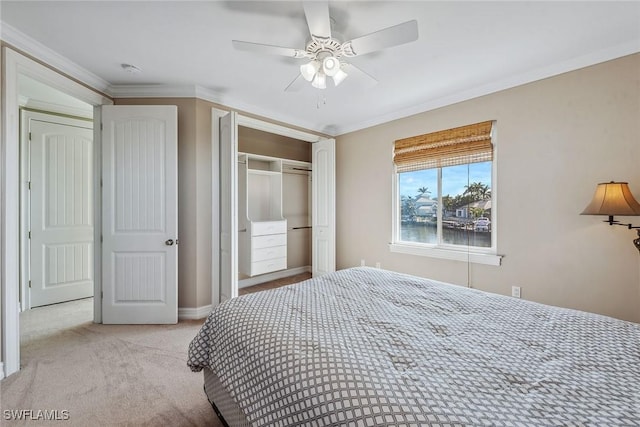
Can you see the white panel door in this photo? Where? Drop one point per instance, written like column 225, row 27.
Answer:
column 139, row 214
column 323, row 207
column 61, row 199
column 228, row 206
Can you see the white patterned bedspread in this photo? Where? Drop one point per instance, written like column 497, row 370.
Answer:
column 369, row 347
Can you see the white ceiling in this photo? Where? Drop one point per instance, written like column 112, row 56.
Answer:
column 464, row 50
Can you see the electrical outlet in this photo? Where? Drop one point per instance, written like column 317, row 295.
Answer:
column 362, row 264
column 515, row 291
column 377, row 265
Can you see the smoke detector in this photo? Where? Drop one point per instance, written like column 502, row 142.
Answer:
column 131, row 68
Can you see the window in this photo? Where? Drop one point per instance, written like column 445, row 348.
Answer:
column 444, row 194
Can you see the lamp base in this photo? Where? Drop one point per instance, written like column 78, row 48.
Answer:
column 636, row 242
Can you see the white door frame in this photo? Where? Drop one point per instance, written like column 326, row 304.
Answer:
column 249, row 122
column 14, row 65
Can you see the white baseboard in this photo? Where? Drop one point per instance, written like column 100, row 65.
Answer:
column 188, row 313
column 251, row 281
column 1, row 370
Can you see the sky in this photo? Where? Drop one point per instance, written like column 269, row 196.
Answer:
column 454, row 179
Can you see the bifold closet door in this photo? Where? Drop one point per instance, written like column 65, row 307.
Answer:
column 324, row 207
column 228, row 129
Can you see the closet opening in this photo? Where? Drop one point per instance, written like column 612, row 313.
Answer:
column 274, row 207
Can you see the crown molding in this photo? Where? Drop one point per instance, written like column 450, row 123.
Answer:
column 271, row 115
column 164, row 91
column 205, row 94
column 573, row 64
column 45, row 55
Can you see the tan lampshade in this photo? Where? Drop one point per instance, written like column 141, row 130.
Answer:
column 613, row 198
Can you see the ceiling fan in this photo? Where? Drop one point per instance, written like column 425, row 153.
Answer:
column 326, row 54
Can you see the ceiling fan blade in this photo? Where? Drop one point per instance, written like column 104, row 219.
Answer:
column 382, row 39
column 297, row 84
column 356, row 73
column 268, row 49
column 317, row 13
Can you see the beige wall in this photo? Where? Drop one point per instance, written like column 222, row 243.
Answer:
column 556, row 138
column 194, row 196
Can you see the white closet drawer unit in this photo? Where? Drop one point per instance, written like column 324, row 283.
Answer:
column 268, row 241
column 267, row 266
column 268, row 227
column 268, row 246
column 269, row 253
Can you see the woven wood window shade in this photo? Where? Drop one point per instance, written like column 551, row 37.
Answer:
column 457, row 146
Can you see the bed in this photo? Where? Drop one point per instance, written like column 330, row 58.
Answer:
column 369, row 347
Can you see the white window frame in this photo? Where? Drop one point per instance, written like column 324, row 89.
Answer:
column 472, row 254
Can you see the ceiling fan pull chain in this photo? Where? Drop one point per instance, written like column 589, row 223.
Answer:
column 321, row 100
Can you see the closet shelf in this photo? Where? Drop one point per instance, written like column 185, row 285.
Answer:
column 263, row 172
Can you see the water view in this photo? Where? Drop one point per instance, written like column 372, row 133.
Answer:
column 426, row 233
column 465, row 213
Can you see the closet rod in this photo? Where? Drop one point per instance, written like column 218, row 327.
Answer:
column 295, row 171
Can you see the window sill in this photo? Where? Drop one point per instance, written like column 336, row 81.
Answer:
column 456, row 255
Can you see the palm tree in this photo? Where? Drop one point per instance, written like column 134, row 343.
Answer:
column 423, row 191
column 448, row 203
column 477, row 191
column 484, row 192
column 476, row 212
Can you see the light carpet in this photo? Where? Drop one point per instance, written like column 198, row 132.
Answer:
column 104, row 375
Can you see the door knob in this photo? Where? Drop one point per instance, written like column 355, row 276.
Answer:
column 169, row 242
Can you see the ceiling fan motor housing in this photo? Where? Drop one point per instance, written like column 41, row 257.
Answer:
column 324, row 53
column 321, row 47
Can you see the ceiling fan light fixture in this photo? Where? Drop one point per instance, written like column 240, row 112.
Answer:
column 319, row 81
column 339, row 77
column 309, row 70
column 330, row 66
